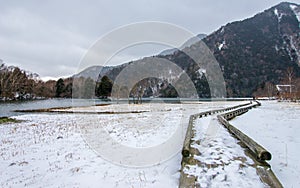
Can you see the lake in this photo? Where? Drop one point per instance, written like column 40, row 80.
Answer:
column 7, row 108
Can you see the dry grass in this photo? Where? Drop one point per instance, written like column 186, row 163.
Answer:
column 8, row 120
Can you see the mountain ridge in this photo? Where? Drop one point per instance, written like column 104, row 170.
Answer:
column 253, row 54
column 250, row 52
column 186, row 44
column 268, row 44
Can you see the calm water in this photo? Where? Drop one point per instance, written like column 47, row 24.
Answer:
column 8, row 108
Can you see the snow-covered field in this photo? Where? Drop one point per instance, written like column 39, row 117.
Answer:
column 276, row 126
column 49, row 150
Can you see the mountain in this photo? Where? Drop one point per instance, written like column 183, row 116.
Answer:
column 93, row 72
column 186, row 44
column 258, row 49
column 250, row 53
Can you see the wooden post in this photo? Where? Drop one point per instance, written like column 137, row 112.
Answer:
column 186, row 144
column 260, row 152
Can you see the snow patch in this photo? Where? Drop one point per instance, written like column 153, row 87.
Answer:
column 276, row 12
column 201, row 72
column 223, row 29
column 276, row 48
column 296, row 11
column 293, row 46
column 278, row 15
column 220, row 47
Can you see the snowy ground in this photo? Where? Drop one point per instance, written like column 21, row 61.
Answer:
column 221, row 160
column 276, row 126
column 48, row 150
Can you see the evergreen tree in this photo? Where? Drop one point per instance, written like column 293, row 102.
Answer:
column 103, row 89
column 60, row 86
column 89, row 88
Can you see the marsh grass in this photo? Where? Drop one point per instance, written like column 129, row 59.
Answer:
column 8, row 120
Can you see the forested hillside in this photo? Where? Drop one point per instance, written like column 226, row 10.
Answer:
column 17, row 84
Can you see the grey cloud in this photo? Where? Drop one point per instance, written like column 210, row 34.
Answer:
column 50, row 37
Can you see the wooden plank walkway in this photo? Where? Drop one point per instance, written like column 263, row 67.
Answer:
column 222, row 158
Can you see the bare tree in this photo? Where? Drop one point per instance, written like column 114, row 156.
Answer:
column 290, row 74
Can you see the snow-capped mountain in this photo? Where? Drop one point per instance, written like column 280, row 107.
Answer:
column 258, row 49
column 186, row 44
column 93, row 72
column 250, row 53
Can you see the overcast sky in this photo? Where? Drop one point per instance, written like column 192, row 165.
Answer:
column 50, row 37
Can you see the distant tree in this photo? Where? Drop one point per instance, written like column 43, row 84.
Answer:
column 290, row 74
column 68, row 90
column 266, row 89
column 17, row 84
column 49, row 89
column 59, row 87
column 77, row 87
column 104, row 87
column 89, row 88
column 169, row 91
column 123, row 92
column 297, row 81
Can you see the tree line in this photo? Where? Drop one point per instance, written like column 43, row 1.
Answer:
column 17, row 84
column 289, row 80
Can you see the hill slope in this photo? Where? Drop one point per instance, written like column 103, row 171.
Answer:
column 258, row 49
column 250, row 53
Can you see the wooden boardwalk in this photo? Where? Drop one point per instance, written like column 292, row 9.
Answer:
column 247, row 157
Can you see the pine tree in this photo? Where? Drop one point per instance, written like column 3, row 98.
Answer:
column 60, row 86
column 103, row 89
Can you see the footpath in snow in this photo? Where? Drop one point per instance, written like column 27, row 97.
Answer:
column 220, row 160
